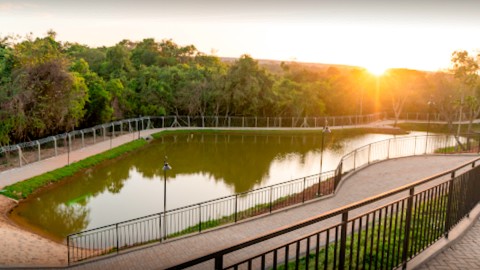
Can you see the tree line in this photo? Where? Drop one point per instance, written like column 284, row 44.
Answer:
column 49, row 87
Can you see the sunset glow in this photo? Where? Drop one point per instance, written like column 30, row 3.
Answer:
column 373, row 34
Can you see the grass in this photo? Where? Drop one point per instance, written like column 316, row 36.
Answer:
column 22, row 190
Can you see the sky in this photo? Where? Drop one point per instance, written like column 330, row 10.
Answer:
column 375, row 34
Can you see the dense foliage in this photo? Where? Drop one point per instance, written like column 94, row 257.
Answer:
column 48, row 87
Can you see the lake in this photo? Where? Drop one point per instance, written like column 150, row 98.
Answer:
column 205, row 165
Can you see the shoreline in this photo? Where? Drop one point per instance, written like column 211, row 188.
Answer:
column 22, row 248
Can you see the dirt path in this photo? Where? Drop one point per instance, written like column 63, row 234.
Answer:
column 22, row 248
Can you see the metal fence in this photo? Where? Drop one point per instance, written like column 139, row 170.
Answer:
column 18, row 155
column 198, row 217
column 384, row 237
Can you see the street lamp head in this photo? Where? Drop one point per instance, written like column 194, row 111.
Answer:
column 166, row 166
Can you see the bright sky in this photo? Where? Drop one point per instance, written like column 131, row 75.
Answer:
column 376, row 34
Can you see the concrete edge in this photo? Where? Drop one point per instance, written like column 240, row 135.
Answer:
column 455, row 235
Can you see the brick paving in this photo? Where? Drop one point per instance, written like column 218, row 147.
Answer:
column 465, row 254
column 370, row 181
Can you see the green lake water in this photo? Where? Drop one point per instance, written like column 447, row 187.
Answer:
column 205, row 166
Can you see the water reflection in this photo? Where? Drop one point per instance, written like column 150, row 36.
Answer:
column 205, row 166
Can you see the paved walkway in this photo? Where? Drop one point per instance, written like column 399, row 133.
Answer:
column 370, row 181
column 465, row 254
column 33, row 169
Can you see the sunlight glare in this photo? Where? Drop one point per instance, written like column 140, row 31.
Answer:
column 377, row 70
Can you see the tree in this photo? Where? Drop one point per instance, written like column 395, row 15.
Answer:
column 465, row 70
column 400, row 85
column 98, row 106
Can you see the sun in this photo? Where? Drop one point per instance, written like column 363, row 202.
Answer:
column 377, row 70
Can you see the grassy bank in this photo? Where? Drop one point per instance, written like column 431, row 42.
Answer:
column 23, row 189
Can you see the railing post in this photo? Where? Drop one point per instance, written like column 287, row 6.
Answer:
column 236, row 207
column 116, row 232
column 303, row 195
column 199, row 218
column 415, row 146
column 160, row 227
column 68, row 250
column 449, row 205
column 243, row 121
column 388, row 149
column 219, row 262
column 19, row 155
column 271, row 198
column 188, row 120
column 83, row 139
column 343, row 241
column 369, row 151
column 39, row 154
column 255, row 121
column 55, row 145
column 408, row 222
column 355, row 160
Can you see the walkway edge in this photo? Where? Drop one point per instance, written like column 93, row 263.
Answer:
column 455, row 235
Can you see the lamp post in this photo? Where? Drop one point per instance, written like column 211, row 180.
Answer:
column 430, row 104
column 166, row 167
column 325, row 131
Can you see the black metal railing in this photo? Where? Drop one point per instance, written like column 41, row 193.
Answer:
column 230, row 209
column 364, row 235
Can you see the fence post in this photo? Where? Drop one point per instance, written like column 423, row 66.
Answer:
column 271, row 196
column 243, row 121
column 343, row 241
column 415, row 146
column 199, row 218
column 219, row 262
column 104, row 131
column 408, row 221
column 388, row 149
column 304, row 183
column 116, row 232
column 188, row 120
column 68, row 250
column 38, row 147
column 229, row 120
column 268, row 122
column 369, row 151
column 449, row 205
column 203, row 121
column 83, row 139
column 236, row 207
column 55, row 145
column 19, row 155
column 94, row 136
column 355, row 160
